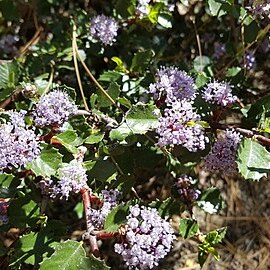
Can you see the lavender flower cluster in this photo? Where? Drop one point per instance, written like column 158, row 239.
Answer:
column 219, row 49
column 110, row 199
column 179, row 126
column 18, row 143
column 260, row 8
column 54, row 109
column 219, row 93
column 7, row 44
column 222, row 156
column 250, row 60
column 104, row 29
column 173, row 84
column 72, row 177
column 3, row 212
column 148, row 238
column 186, row 190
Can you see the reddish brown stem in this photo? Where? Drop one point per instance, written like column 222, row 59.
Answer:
column 86, row 197
column 104, row 235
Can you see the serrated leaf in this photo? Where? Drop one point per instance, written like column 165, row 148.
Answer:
column 70, row 140
column 139, row 120
column 253, row 160
column 216, row 236
column 70, row 255
column 32, row 248
column 113, row 91
column 116, row 217
column 141, row 60
column 215, row 8
column 95, row 137
column 8, row 74
column 188, row 227
column 47, row 163
column 23, row 211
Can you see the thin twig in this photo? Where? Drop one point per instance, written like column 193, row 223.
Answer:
column 90, row 73
column 198, row 42
column 74, row 53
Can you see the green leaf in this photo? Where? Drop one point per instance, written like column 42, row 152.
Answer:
column 167, row 207
column 154, row 12
column 95, row 137
column 188, row 227
column 8, row 74
column 201, row 62
column 34, row 247
column 70, row 140
column 215, row 8
column 233, row 71
column 8, row 185
column 139, row 120
column 210, row 201
column 116, row 217
column 260, row 107
column 113, row 91
column 142, row 60
column 120, row 65
column 125, row 102
column 251, row 32
column 165, row 20
column 253, row 160
column 47, row 163
column 216, row 236
column 110, row 76
column 70, row 255
column 22, row 212
column 103, row 170
column 201, row 79
column 207, row 246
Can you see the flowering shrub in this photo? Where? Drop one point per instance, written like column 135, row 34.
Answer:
column 96, row 99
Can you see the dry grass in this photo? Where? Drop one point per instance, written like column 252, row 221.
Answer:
column 247, row 216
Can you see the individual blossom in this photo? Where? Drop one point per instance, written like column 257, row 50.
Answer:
column 18, row 142
column 172, row 84
column 72, row 177
column 54, row 109
column 148, row 238
column 219, row 93
column 142, row 7
column 185, row 189
column 3, row 212
column 109, row 199
column 7, row 44
column 104, row 29
column 249, row 60
column 221, row 158
column 180, row 126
